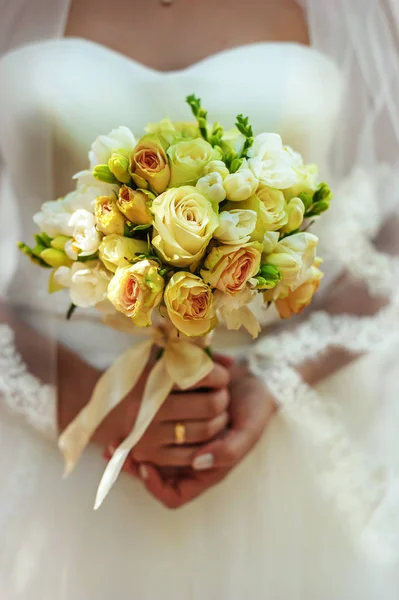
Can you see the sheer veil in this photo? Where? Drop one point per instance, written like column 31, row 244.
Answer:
column 362, row 36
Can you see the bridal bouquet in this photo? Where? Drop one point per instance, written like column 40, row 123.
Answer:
column 179, row 230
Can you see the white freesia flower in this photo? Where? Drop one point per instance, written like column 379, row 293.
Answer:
column 271, row 163
column 86, row 238
column 87, row 282
column 84, row 197
column 54, row 217
column 241, row 185
column 217, row 166
column 105, row 145
column 235, row 312
column 270, row 241
column 236, row 226
column 211, row 186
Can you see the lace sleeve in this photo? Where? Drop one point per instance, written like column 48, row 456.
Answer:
column 22, row 392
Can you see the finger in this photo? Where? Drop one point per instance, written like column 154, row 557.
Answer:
column 129, row 466
column 196, row 432
column 175, row 494
column 163, row 491
column 169, row 456
column 226, row 361
column 226, row 452
column 218, row 378
column 194, row 406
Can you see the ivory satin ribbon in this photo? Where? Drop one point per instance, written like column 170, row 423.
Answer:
column 182, row 362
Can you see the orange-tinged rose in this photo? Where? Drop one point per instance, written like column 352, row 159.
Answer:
column 149, row 164
column 190, row 306
column 136, row 290
column 296, row 301
column 229, row 268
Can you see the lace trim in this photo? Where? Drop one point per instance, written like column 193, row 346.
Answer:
column 368, row 493
column 23, row 393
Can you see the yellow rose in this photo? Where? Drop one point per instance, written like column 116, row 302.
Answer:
column 134, row 204
column 119, row 251
column 188, row 160
column 274, row 203
column 168, row 131
column 149, row 164
column 189, row 302
column 301, row 297
column 229, row 268
column 108, row 218
column 136, row 290
column 254, row 204
column 184, row 222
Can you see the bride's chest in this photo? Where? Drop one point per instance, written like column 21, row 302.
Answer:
column 67, row 92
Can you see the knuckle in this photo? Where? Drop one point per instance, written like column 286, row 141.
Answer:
column 218, row 401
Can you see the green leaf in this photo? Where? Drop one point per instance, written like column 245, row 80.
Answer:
column 84, row 259
column 208, row 351
column 70, row 311
column 142, row 227
column 199, row 113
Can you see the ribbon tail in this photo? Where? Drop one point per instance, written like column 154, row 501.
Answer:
column 158, row 387
column 110, row 389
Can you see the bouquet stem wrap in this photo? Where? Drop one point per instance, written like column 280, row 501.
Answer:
column 183, row 362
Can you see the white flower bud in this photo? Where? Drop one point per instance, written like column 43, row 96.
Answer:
column 211, row 186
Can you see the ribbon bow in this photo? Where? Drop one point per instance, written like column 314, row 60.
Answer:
column 182, row 362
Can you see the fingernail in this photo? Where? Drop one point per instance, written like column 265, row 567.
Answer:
column 144, row 474
column 203, row 462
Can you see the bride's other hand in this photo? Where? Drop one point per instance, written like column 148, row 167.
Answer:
column 251, row 407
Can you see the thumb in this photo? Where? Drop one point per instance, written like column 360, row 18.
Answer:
column 224, row 452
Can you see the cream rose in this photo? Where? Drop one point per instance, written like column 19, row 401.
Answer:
column 119, row 251
column 184, row 222
column 275, row 216
column 136, row 290
column 229, row 268
column 188, row 160
column 189, row 302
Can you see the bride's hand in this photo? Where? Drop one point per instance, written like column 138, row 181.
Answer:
column 251, row 408
column 202, row 411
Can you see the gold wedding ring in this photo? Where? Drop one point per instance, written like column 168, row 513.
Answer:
column 180, row 433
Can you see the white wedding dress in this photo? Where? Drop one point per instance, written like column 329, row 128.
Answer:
column 268, row 531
